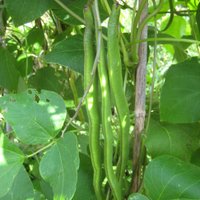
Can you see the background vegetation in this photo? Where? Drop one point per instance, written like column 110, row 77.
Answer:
column 99, row 99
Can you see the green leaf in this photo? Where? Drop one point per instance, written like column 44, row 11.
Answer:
column 180, row 96
column 8, row 74
column 178, row 27
column 11, row 159
column 47, row 78
column 137, row 196
column 22, row 188
column 35, row 117
column 85, row 188
column 59, row 167
column 24, row 65
column 35, row 36
column 177, row 140
column 23, row 11
column 69, row 53
column 167, row 178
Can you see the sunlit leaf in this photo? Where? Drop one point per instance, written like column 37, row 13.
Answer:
column 35, row 117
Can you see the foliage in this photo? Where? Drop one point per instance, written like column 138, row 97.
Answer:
column 54, row 144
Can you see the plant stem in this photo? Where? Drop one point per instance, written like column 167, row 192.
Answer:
column 40, row 150
column 73, row 14
column 75, row 94
column 140, row 101
column 169, row 40
column 153, row 75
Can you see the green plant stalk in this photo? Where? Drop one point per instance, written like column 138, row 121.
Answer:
column 92, row 102
column 169, row 40
column 73, row 14
column 140, row 28
column 171, row 6
column 106, row 6
column 140, row 98
column 106, row 112
column 107, row 129
column 116, row 83
column 134, row 26
column 41, row 149
column 75, row 94
column 153, row 75
column 144, row 22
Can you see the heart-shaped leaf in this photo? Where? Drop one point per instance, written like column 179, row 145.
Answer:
column 167, row 178
column 59, row 167
column 180, row 96
column 35, row 117
column 11, row 159
column 177, row 140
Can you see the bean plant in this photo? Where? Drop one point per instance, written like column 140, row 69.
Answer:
column 99, row 100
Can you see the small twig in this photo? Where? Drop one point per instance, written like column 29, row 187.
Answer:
column 70, row 11
column 40, row 150
column 140, row 101
column 169, row 40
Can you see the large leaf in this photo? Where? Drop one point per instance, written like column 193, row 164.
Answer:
column 178, row 140
column 85, row 188
column 68, row 52
column 22, row 188
column 8, row 74
column 35, row 117
column 167, row 178
column 137, row 196
column 47, row 78
column 11, row 159
column 59, row 167
column 23, row 11
column 180, row 96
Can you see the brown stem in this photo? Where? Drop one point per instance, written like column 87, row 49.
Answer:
column 139, row 104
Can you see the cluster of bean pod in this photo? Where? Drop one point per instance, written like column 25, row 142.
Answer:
column 109, row 77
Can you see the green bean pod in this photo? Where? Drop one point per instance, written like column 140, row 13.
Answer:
column 116, row 84
column 106, row 125
column 92, row 102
